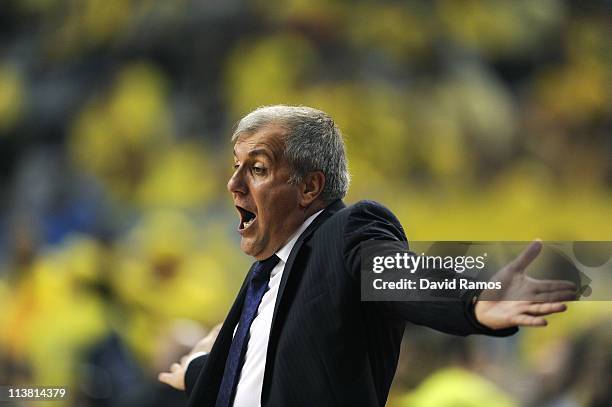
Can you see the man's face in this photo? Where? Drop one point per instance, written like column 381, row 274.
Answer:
column 268, row 206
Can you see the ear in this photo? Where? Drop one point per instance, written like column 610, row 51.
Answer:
column 311, row 187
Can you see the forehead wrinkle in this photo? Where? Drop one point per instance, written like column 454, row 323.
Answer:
column 257, row 152
column 267, row 147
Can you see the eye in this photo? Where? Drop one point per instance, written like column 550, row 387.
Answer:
column 235, row 166
column 257, row 170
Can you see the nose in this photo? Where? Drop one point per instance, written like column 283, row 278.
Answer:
column 236, row 183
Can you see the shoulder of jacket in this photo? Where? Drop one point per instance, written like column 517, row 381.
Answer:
column 363, row 208
column 369, row 206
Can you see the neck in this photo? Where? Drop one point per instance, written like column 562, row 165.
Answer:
column 313, row 208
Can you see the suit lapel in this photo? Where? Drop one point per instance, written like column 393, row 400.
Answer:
column 274, row 328
column 327, row 213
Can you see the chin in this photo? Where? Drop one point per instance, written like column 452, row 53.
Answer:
column 248, row 249
column 257, row 249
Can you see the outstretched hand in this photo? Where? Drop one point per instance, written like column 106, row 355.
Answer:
column 176, row 376
column 522, row 300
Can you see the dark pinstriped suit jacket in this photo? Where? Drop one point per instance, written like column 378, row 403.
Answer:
column 326, row 347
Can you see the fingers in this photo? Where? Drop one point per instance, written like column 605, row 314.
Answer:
column 165, row 377
column 174, row 378
column 542, row 286
column 527, row 256
column 555, row 296
column 528, row 320
column 553, row 290
column 170, row 379
column 532, row 313
column 540, row 309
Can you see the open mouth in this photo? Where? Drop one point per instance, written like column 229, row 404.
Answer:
column 246, row 218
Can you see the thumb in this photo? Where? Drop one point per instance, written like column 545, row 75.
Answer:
column 527, row 256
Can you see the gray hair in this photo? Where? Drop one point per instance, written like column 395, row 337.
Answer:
column 313, row 143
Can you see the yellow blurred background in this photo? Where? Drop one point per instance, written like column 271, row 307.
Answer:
column 471, row 120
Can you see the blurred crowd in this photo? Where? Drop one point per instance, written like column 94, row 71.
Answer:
column 471, row 120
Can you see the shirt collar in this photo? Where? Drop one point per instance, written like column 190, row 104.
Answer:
column 284, row 251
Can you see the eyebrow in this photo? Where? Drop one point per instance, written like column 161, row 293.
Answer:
column 259, row 151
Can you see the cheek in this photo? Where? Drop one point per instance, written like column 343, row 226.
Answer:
column 283, row 202
column 279, row 209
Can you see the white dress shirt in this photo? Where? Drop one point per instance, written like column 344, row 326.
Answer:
column 248, row 391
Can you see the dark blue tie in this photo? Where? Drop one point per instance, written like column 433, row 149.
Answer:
column 260, row 276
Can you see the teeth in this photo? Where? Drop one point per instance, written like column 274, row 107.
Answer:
column 247, row 224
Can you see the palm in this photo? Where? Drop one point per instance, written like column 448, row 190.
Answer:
column 522, row 300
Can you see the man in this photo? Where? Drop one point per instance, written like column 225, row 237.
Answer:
column 298, row 333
